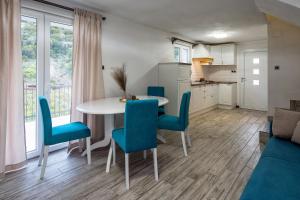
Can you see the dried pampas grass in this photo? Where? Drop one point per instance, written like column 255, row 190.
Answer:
column 120, row 77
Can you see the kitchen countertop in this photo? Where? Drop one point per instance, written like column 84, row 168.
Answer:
column 211, row 83
column 177, row 63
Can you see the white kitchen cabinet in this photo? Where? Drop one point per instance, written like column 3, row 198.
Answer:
column 183, row 86
column 204, row 97
column 209, row 96
column 197, row 99
column 224, row 54
column 227, row 95
column 194, row 97
column 228, row 54
column 176, row 79
column 213, row 94
column 216, row 54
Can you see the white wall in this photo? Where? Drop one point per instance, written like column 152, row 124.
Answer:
column 139, row 47
column 241, row 49
column 284, row 50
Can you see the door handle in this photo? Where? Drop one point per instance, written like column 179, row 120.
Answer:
column 243, row 79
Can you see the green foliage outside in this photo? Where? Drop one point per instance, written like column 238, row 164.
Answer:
column 61, row 46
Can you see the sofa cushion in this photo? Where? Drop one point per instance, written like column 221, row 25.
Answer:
column 282, row 149
column 273, row 179
column 284, row 123
column 276, row 175
column 296, row 134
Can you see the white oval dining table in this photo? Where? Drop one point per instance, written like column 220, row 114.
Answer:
column 109, row 107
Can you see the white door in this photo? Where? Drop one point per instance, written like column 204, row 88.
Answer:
column 47, row 68
column 255, row 80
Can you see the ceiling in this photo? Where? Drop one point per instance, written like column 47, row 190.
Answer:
column 292, row 2
column 194, row 19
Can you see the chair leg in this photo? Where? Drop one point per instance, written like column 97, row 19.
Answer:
column 88, row 149
column 155, row 163
column 127, row 170
column 41, row 155
column 109, row 159
column 161, row 138
column 183, row 142
column 114, row 151
column 145, row 154
column 44, row 162
column 188, row 137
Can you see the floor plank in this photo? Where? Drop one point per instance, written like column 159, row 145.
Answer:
column 225, row 149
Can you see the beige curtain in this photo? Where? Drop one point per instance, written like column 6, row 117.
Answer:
column 12, row 134
column 87, row 68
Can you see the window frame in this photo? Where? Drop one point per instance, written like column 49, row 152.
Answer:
column 182, row 47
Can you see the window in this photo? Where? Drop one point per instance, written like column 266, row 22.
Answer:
column 47, row 46
column 255, row 61
column 182, row 53
column 255, row 82
column 177, row 54
column 256, row 71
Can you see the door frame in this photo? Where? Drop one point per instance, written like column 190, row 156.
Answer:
column 242, row 74
column 39, row 74
column 43, row 20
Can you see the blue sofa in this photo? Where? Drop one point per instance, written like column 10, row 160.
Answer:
column 277, row 174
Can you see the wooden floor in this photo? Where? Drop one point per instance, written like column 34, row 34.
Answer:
column 225, row 149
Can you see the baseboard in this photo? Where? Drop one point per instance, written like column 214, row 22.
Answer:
column 205, row 110
column 228, row 107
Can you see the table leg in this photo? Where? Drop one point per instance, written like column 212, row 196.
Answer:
column 108, row 127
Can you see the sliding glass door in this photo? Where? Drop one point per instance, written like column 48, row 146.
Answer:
column 59, row 73
column 47, row 43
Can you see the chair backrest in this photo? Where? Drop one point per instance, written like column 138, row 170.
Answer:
column 156, row 91
column 184, row 110
column 46, row 116
column 140, row 125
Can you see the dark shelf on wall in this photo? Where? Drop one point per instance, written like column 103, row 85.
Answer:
column 174, row 39
column 59, row 6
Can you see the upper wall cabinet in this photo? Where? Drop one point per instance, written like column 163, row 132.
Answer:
column 229, row 54
column 223, row 54
column 216, row 54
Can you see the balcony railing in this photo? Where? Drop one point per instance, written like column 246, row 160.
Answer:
column 60, row 101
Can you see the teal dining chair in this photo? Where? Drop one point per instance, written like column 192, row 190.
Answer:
column 178, row 123
column 138, row 134
column 60, row 134
column 159, row 92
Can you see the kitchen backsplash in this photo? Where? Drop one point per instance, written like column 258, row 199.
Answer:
column 215, row 73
